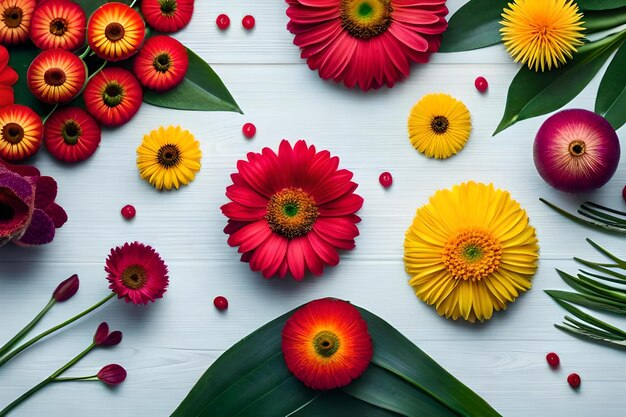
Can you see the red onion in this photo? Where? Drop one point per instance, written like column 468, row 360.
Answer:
column 576, row 150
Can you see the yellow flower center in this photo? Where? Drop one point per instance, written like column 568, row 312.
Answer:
column 162, row 62
column 12, row 17
column 291, row 212
column 12, row 133
column 54, row 77
column 365, row 19
column 168, row 156
column 114, row 31
column 168, row 7
column 439, row 124
column 134, row 277
column 472, row 255
column 326, row 343
column 58, row 27
column 71, row 131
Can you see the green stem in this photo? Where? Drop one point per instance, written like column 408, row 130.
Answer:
column 77, row 378
column 95, row 72
column 53, row 329
column 45, row 382
column 84, row 54
column 8, row 345
column 45, row 119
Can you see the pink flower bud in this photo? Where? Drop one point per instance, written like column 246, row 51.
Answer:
column 104, row 338
column 66, row 289
column 112, row 374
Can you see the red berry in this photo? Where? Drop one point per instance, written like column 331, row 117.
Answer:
column 481, row 84
column 385, row 179
column 573, row 380
column 128, row 212
column 223, row 21
column 221, row 303
column 553, row 359
column 249, row 130
column 248, row 22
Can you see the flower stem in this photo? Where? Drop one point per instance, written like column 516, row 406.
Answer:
column 40, row 336
column 8, row 345
column 84, row 54
column 45, row 382
column 45, row 119
column 96, row 71
column 77, row 378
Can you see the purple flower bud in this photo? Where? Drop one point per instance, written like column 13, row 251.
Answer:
column 104, row 338
column 112, row 339
column 66, row 289
column 112, row 374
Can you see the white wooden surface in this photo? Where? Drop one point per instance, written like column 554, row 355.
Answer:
column 169, row 344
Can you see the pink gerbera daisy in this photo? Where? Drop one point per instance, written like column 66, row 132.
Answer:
column 136, row 273
column 366, row 42
column 291, row 211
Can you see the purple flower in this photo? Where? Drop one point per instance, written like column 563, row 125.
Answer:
column 104, row 338
column 66, row 289
column 112, row 374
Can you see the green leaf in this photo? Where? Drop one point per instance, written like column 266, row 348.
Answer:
column 590, row 301
column 201, row 89
column 89, row 6
column 595, row 224
column 600, row 4
column 337, row 403
column 473, row 26
column 590, row 319
column 20, row 59
column 599, row 20
column 611, row 99
column 535, row 93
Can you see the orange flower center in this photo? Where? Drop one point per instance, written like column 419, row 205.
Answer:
column 58, row 27
column 114, row 31
column 365, row 19
column 12, row 17
column 71, row 132
column 54, row 77
column 12, row 133
column 577, row 148
column 439, row 125
column 326, row 343
column 113, row 94
column 168, row 156
column 472, row 255
column 291, row 212
column 134, row 277
column 162, row 62
column 168, row 7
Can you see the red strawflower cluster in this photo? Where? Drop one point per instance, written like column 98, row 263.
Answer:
column 58, row 75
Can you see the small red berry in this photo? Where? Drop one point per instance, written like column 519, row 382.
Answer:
column 249, row 130
column 553, row 359
column 128, row 212
column 385, row 179
column 221, row 303
column 248, row 22
column 624, row 193
column 573, row 380
column 481, row 84
column 223, row 21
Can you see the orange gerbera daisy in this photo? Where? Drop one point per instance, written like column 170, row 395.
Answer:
column 20, row 132
column 115, row 31
column 15, row 18
column 56, row 76
column 161, row 64
column 326, row 344
column 58, row 24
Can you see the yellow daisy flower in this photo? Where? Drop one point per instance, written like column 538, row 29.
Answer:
column 470, row 251
column 439, row 125
column 542, row 33
column 168, row 157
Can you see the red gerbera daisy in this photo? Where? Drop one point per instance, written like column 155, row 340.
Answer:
column 326, row 344
column 113, row 96
column 58, row 24
column 56, row 76
column 161, row 64
column 167, row 15
column 8, row 77
column 20, row 132
column 366, row 42
column 115, row 31
column 136, row 273
column 291, row 212
column 15, row 19
column 71, row 135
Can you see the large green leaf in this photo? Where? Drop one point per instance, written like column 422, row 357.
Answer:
column 473, row 26
column 20, row 59
column 201, row 89
column 90, row 5
column 599, row 20
column 600, row 4
column 535, row 93
column 611, row 99
column 251, row 379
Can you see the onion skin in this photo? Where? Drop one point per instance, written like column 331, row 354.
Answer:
column 576, row 150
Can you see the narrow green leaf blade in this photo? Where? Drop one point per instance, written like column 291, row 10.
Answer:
column 585, row 222
column 590, row 319
column 337, row 403
column 611, row 99
column 600, row 4
column 599, row 20
column 586, row 300
column 202, row 89
column 473, row 26
column 593, row 336
column 535, row 93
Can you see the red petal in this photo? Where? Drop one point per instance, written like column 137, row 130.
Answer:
column 295, row 257
column 245, row 196
column 345, row 205
column 235, row 211
column 250, row 236
column 7, row 96
column 326, row 252
column 57, row 214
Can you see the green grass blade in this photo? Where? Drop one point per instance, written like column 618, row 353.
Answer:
column 599, row 268
column 591, row 301
column 576, row 325
column 584, row 222
column 606, row 253
column 603, row 277
column 590, row 319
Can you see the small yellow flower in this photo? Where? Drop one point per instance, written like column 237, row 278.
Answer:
column 542, row 34
column 168, row 157
column 439, row 125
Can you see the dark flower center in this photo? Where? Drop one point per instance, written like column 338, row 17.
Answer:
column 71, row 132
column 134, row 277
column 12, row 133
column 162, row 62
column 326, row 343
column 113, row 94
column 6, row 213
column 54, row 77
column 365, row 19
column 168, row 7
column 12, row 17
column 58, row 27
column 168, row 156
column 577, row 148
column 439, row 124
column 291, row 212
column 114, row 31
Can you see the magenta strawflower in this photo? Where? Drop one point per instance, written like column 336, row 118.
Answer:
column 112, row 374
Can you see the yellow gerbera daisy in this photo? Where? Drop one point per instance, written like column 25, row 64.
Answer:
column 168, row 157
column 542, row 33
column 439, row 125
column 470, row 250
